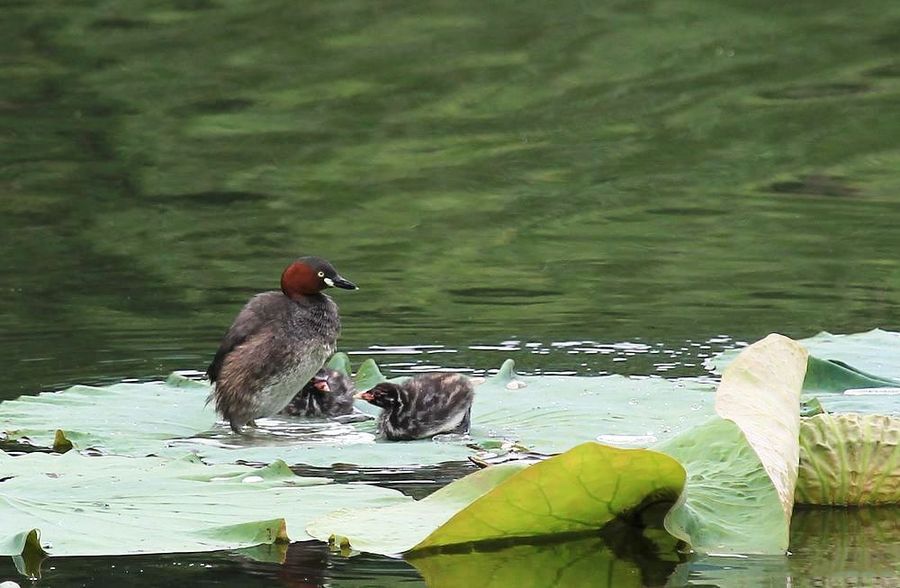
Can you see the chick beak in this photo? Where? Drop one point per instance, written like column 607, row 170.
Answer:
column 367, row 396
column 340, row 282
column 321, row 385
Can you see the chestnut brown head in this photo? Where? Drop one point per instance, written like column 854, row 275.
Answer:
column 385, row 395
column 310, row 275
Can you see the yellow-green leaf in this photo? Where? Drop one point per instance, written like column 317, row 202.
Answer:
column 580, row 490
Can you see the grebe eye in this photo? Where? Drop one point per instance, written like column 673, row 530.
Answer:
column 321, row 274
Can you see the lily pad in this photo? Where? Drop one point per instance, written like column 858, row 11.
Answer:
column 837, row 376
column 115, row 505
column 873, row 352
column 546, row 413
column 580, row 490
column 341, row 362
column 875, row 401
column 729, row 505
column 398, row 528
column 849, row 459
column 838, row 381
column 123, row 419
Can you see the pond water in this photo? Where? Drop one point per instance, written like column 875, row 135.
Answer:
column 619, row 187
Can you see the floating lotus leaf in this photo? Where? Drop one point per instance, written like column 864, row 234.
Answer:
column 869, row 353
column 742, row 471
column 875, row 401
column 368, row 375
column 836, row 376
column 729, row 503
column 547, row 413
column 581, row 490
column 849, row 459
column 398, row 528
column 116, row 505
column 741, row 466
column 123, row 419
column 340, row 362
column 837, row 381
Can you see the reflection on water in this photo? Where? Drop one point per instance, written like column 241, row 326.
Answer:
column 829, row 547
column 861, row 545
column 281, row 431
column 307, row 564
column 612, row 172
column 583, row 562
column 623, row 554
column 833, row 547
column 588, row 188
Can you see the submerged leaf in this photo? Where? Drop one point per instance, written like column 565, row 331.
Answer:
column 829, row 547
column 580, row 490
column 115, row 505
column 267, row 552
column 849, row 459
column 845, row 545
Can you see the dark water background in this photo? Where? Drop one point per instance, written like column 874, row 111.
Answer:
column 588, row 187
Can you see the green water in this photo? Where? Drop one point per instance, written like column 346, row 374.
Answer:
column 586, row 187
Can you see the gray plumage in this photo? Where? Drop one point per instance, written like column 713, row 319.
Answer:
column 277, row 343
column 273, row 348
column 423, row 406
column 335, row 400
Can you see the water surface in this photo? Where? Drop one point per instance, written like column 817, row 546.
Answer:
column 617, row 187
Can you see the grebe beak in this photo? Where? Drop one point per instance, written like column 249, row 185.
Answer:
column 339, row 282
